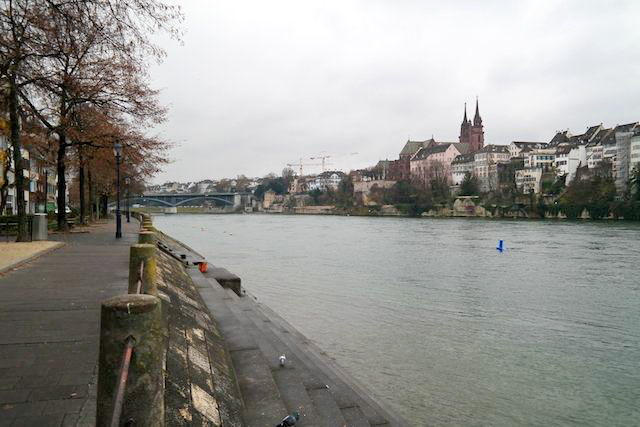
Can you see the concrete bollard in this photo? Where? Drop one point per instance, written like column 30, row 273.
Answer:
column 138, row 254
column 147, row 237
column 136, row 316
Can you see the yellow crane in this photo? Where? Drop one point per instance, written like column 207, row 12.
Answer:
column 328, row 156
column 300, row 165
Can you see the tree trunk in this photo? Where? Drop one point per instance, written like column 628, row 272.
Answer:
column 104, row 207
column 81, row 185
column 17, row 159
column 4, row 187
column 62, row 184
column 92, row 216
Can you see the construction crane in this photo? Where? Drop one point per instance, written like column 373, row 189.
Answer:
column 328, row 156
column 300, row 165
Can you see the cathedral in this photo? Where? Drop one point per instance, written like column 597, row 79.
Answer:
column 472, row 134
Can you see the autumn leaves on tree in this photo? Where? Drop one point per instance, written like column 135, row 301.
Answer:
column 76, row 79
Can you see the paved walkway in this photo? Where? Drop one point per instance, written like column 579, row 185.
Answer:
column 49, row 327
column 15, row 253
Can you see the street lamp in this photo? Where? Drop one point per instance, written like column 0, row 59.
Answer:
column 117, row 150
column 126, row 206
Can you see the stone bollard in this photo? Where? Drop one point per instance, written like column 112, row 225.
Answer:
column 147, row 237
column 139, row 317
column 138, row 254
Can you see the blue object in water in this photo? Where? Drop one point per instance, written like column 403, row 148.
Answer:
column 500, row 246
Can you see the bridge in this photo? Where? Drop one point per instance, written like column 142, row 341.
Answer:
column 173, row 200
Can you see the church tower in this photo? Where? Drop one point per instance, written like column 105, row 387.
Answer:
column 465, row 127
column 476, row 132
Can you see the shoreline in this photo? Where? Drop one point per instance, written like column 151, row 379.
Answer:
column 443, row 217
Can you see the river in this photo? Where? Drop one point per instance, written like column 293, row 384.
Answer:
column 433, row 319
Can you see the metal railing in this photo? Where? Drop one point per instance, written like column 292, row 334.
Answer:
column 127, row 354
column 123, row 375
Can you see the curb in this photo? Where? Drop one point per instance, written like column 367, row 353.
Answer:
column 17, row 264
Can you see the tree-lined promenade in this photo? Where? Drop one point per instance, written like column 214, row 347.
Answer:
column 74, row 77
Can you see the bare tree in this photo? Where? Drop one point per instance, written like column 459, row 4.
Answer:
column 93, row 54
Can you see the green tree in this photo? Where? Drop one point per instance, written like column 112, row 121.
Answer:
column 469, row 185
column 635, row 183
column 595, row 194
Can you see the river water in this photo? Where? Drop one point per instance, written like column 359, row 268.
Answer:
column 433, row 319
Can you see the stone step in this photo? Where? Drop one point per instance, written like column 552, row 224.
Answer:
column 288, row 379
column 313, row 377
column 346, row 392
column 354, row 417
column 263, row 405
column 302, row 384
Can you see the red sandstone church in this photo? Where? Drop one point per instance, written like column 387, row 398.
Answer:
column 471, row 140
column 472, row 134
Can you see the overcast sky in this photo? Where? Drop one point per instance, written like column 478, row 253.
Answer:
column 259, row 84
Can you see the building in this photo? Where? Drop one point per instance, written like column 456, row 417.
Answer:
column 10, row 207
column 42, row 186
column 577, row 159
column 435, row 161
column 472, row 133
column 461, row 165
column 562, row 160
column 402, row 169
column 634, row 151
column 521, row 148
column 541, row 158
column 326, row 180
column 268, row 199
column 560, row 138
column 622, row 161
column 529, row 180
column 485, row 164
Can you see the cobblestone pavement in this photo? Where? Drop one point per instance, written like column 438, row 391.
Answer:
column 49, row 327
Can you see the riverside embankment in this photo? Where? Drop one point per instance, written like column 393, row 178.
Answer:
column 441, row 325
column 196, row 354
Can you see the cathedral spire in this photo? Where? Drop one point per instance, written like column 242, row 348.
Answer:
column 464, row 119
column 477, row 120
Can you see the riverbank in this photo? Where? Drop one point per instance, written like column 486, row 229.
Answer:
column 308, row 381
column 219, row 369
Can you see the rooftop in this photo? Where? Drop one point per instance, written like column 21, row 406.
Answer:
column 493, row 148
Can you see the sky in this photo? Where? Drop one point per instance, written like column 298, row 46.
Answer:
column 256, row 85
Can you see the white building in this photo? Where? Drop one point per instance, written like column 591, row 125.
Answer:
column 595, row 152
column 460, row 166
column 485, row 165
column 569, row 159
column 10, row 207
column 521, row 148
column 541, row 158
column 529, row 179
column 325, row 180
column 634, row 151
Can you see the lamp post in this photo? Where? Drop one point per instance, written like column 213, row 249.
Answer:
column 126, row 206
column 117, row 150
